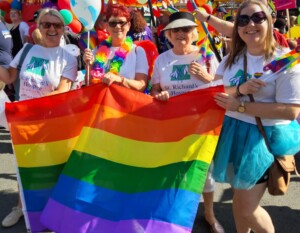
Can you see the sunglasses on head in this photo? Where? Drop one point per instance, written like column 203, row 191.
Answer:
column 113, row 24
column 257, row 18
column 47, row 25
column 183, row 29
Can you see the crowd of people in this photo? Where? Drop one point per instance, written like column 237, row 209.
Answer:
column 49, row 68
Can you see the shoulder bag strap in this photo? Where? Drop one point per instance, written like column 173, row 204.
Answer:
column 257, row 119
column 22, row 58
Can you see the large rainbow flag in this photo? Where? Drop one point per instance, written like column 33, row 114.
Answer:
column 109, row 159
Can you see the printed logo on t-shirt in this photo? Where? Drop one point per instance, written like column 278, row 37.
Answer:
column 6, row 34
column 37, row 66
column 238, row 78
column 180, row 72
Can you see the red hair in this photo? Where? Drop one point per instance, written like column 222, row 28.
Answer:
column 117, row 10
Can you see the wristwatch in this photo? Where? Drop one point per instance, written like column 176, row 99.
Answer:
column 241, row 107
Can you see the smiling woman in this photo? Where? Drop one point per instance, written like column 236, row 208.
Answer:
column 117, row 59
column 46, row 70
column 245, row 164
column 51, row 25
column 182, row 69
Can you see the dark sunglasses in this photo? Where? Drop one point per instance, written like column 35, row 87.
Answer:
column 257, row 18
column 183, row 29
column 113, row 24
column 47, row 25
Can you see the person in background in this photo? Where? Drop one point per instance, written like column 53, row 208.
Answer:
column 100, row 28
column 280, row 26
column 138, row 27
column 227, row 40
column 19, row 33
column 226, row 28
column 242, row 158
column 47, row 69
column 180, row 70
column 20, row 29
column 5, row 49
column 221, row 12
column 122, row 62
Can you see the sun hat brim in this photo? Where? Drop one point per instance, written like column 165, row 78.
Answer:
column 179, row 23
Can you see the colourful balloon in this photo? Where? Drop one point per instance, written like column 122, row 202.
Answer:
column 200, row 2
column 298, row 20
column 7, row 18
column 83, row 40
column 208, row 8
column 4, row 6
column 75, row 26
column 64, row 4
column 87, row 11
column 67, row 16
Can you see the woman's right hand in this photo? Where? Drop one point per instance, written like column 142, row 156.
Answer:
column 201, row 15
column 252, row 86
column 88, row 57
column 162, row 96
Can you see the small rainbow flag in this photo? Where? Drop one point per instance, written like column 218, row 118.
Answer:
column 110, row 159
column 280, row 64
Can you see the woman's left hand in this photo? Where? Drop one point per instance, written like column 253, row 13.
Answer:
column 227, row 101
column 109, row 78
column 200, row 72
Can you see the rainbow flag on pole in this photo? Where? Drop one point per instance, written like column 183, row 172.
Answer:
column 109, row 159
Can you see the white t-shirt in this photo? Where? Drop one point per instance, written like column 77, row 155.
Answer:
column 42, row 70
column 135, row 61
column 171, row 72
column 284, row 89
column 24, row 31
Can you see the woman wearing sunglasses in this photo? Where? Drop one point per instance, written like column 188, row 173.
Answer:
column 180, row 70
column 46, row 70
column 117, row 59
column 242, row 157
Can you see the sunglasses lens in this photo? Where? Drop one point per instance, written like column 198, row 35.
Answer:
column 114, row 24
column 186, row 29
column 47, row 25
column 258, row 17
column 243, row 20
column 183, row 29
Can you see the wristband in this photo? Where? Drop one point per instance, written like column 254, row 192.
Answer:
column 208, row 18
column 238, row 93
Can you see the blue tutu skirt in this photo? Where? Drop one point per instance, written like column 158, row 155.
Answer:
column 242, row 157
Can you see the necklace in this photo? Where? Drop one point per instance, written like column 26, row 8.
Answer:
column 102, row 65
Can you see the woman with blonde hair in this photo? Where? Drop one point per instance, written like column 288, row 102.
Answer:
column 242, row 157
column 180, row 70
column 47, row 69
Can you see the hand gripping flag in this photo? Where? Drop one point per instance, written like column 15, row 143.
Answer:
column 110, row 159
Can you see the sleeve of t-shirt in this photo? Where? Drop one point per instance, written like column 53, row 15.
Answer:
column 24, row 29
column 288, row 86
column 221, row 68
column 155, row 79
column 70, row 69
column 141, row 61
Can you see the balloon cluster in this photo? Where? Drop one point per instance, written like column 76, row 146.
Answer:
column 76, row 14
column 5, row 8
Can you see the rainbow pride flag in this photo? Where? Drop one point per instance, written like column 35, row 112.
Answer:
column 109, row 159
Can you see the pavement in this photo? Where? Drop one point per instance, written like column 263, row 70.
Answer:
column 284, row 210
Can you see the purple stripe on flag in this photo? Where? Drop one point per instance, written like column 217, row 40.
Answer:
column 84, row 223
column 35, row 224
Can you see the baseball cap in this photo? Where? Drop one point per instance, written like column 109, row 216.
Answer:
column 221, row 9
